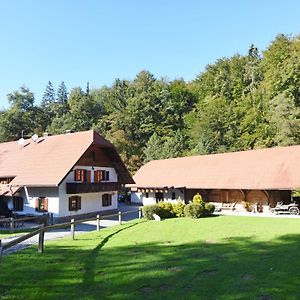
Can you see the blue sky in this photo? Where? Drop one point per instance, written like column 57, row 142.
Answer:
column 97, row 41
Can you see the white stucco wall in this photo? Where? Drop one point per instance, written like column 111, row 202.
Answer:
column 137, row 197
column 34, row 192
column 90, row 202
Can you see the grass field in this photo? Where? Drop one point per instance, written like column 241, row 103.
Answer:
column 211, row 258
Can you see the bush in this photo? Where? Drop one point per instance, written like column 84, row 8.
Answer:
column 197, row 199
column 166, row 210
column 209, row 209
column 149, row 210
column 193, row 210
column 162, row 209
column 178, row 208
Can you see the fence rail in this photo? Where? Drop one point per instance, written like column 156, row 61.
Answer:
column 13, row 222
column 41, row 231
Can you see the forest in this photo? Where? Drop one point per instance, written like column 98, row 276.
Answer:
column 237, row 103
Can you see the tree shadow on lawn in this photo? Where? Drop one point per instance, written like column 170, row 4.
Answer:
column 235, row 268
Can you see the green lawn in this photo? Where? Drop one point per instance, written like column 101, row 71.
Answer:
column 211, row 258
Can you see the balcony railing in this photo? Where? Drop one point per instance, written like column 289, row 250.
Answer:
column 91, row 187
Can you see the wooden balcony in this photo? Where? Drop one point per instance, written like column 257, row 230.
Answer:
column 91, row 187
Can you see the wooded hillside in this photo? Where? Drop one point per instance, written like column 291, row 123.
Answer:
column 237, row 103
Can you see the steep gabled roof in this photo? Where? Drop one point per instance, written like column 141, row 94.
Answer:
column 273, row 168
column 46, row 162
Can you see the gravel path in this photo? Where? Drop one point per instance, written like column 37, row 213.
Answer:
column 79, row 228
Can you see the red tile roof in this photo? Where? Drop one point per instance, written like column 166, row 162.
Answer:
column 46, row 162
column 273, row 168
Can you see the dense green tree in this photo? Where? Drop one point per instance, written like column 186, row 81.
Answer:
column 154, row 148
column 237, row 103
column 20, row 118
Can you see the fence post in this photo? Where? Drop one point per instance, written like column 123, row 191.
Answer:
column 41, row 240
column 98, row 222
column 1, row 250
column 120, row 218
column 51, row 219
column 72, row 229
column 140, row 212
column 12, row 225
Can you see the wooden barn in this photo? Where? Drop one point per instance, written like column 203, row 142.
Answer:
column 239, row 180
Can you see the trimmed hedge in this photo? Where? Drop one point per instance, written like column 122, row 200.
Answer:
column 194, row 210
column 149, row 210
column 170, row 210
column 162, row 209
column 178, row 208
column 210, row 208
column 166, row 210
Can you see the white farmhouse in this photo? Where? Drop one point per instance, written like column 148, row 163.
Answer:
column 69, row 175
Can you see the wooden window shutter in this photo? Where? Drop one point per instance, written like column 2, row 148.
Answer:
column 88, row 176
column 83, row 175
column 78, row 202
column 70, row 203
column 102, row 175
column 46, row 203
column 77, row 175
column 95, row 176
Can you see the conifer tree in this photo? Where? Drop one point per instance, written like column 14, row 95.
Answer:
column 62, row 94
column 49, row 95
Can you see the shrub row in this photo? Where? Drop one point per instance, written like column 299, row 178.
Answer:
column 171, row 210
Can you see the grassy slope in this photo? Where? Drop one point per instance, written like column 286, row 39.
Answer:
column 212, row 258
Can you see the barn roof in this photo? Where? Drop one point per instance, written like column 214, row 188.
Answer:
column 48, row 160
column 273, row 168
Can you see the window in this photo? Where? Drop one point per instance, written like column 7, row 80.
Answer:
column 41, row 204
column 104, row 175
column 80, row 175
column 147, row 195
column 97, row 176
column 18, row 203
column 74, row 203
column 173, row 196
column 159, row 197
column 106, row 200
